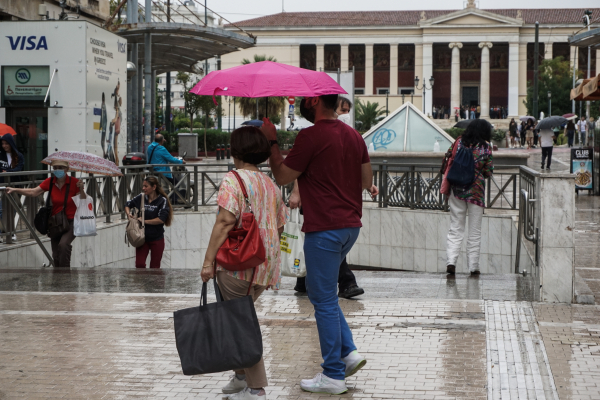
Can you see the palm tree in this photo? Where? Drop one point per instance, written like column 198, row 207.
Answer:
column 276, row 104
column 368, row 114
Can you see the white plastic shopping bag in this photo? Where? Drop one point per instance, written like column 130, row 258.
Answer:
column 292, row 248
column 84, row 223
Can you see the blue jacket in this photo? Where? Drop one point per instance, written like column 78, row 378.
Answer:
column 4, row 165
column 158, row 154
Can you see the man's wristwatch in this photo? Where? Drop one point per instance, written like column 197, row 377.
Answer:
column 272, row 142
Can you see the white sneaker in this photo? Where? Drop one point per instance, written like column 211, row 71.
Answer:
column 322, row 384
column 14, row 238
column 235, row 385
column 354, row 361
column 246, row 394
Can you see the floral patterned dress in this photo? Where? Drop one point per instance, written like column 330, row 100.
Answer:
column 270, row 213
column 484, row 167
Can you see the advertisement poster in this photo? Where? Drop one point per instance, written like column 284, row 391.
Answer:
column 582, row 167
column 106, row 94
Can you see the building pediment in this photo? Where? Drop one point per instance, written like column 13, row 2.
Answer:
column 471, row 17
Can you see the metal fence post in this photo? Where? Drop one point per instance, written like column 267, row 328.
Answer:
column 203, row 189
column 384, row 187
column 195, row 188
column 379, row 181
column 107, row 198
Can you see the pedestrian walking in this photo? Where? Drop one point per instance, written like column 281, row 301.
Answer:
column 332, row 165
column 347, row 285
column 582, row 130
column 512, row 129
column 157, row 154
column 529, row 134
column 158, row 213
column 62, row 187
column 249, row 147
column 547, row 144
column 570, row 133
column 11, row 160
column 591, row 129
column 469, row 200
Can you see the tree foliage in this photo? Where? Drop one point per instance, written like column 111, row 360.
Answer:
column 368, row 114
column 248, row 105
column 555, row 76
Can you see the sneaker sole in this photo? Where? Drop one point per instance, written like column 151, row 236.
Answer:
column 358, row 366
column 334, row 393
column 225, row 391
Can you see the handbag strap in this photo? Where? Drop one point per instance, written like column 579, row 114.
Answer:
column 66, row 196
column 143, row 211
column 49, row 198
column 204, row 293
column 243, row 186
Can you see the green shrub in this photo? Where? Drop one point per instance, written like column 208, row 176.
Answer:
column 455, row 132
column 498, row 135
column 214, row 136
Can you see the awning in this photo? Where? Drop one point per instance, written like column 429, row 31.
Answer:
column 577, row 93
column 585, row 39
column 178, row 47
column 590, row 91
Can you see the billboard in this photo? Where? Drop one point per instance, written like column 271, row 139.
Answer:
column 106, row 95
column 582, row 167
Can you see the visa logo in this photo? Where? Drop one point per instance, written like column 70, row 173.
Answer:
column 122, row 47
column 28, row 43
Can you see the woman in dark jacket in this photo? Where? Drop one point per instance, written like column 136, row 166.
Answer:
column 158, row 214
column 570, row 133
column 10, row 161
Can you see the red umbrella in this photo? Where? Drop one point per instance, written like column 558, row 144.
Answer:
column 4, row 129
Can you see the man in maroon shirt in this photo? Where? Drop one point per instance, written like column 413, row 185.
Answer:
column 331, row 162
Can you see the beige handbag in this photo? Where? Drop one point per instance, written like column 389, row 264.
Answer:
column 135, row 233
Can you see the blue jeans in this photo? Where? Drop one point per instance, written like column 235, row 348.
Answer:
column 324, row 252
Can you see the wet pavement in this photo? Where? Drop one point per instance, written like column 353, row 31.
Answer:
column 108, row 334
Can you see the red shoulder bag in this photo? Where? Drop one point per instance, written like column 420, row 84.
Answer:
column 243, row 247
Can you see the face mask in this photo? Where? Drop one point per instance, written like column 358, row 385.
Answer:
column 345, row 118
column 306, row 112
column 59, row 173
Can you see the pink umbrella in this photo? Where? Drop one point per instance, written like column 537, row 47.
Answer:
column 267, row 79
column 85, row 162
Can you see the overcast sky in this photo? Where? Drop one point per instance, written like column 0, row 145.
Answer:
column 237, row 10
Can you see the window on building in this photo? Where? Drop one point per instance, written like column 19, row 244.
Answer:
column 332, row 57
column 406, row 90
column 359, row 90
column 382, row 90
column 172, row 94
column 172, row 81
column 181, row 95
column 159, row 80
column 308, row 56
column 356, row 60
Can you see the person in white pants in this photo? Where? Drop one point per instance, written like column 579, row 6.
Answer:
column 468, row 200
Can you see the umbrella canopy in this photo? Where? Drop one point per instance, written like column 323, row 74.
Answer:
column 253, row 122
column 4, row 129
column 527, row 118
column 570, row 116
column 577, row 93
column 463, row 123
column 591, row 91
column 551, row 122
column 267, row 79
column 85, row 162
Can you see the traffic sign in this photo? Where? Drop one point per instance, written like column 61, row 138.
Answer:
column 292, row 109
column 291, row 100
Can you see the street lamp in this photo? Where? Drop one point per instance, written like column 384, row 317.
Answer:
column 549, row 103
column 431, row 82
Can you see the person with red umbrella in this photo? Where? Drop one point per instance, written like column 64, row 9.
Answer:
column 11, row 160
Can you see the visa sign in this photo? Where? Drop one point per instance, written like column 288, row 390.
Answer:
column 28, row 43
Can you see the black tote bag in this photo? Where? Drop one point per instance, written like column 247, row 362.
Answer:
column 218, row 337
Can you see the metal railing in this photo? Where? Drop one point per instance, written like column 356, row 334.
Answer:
column 529, row 183
column 418, row 187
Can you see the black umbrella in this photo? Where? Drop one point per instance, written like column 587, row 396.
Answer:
column 253, row 122
column 551, row 122
column 462, row 124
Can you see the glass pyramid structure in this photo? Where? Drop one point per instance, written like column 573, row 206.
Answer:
column 407, row 130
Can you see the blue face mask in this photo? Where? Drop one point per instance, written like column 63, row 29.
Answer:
column 59, row 173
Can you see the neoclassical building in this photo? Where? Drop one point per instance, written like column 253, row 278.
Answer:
column 476, row 57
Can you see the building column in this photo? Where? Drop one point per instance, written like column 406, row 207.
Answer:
column 393, row 68
column 369, row 69
column 418, row 72
column 428, row 73
column 597, row 60
column 522, row 110
column 455, row 76
column 574, row 58
column 513, row 80
column 320, row 57
column 295, row 55
column 548, row 51
column 344, row 57
column 484, row 101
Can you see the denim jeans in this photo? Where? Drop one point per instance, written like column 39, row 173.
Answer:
column 324, row 253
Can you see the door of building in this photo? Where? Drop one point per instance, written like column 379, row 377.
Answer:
column 31, row 125
column 470, row 96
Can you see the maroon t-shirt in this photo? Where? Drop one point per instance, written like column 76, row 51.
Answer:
column 330, row 155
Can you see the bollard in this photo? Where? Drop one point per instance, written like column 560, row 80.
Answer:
column 228, row 151
column 218, row 152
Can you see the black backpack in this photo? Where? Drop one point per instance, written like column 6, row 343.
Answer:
column 462, row 171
